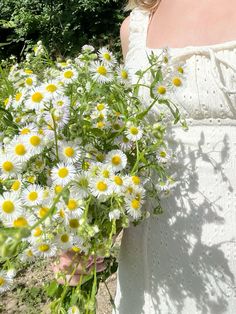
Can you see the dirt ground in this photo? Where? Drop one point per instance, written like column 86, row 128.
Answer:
column 28, row 297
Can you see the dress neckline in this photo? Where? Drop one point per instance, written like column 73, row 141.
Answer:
column 190, row 47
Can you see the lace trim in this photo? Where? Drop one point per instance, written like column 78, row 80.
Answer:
column 139, row 20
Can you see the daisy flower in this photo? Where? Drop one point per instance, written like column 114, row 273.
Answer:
column 64, row 240
column 24, row 220
column 34, row 143
column 61, row 116
column 69, row 152
column 9, row 166
column 61, row 101
column 36, row 99
column 27, row 255
column 10, row 206
column 123, row 75
column 73, row 223
column 32, row 195
column 117, row 160
column 117, row 184
column 133, row 207
column 36, row 235
column 30, row 81
column 100, row 72
column 27, row 129
column 124, row 143
column 106, row 56
column 133, row 132
column 163, row 155
column 161, row 90
column 69, row 75
column 88, row 48
column 18, row 99
column 100, row 187
column 6, row 280
column 16, row 185
column 52, row 89
column 105, row 171
column 74, row 206
column 63, row 173
column 44, row 249
column 73, row 310
column 81, row 185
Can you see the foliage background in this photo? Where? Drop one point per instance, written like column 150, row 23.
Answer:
column 63, row 25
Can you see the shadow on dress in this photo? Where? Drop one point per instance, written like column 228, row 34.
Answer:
column 182, row 258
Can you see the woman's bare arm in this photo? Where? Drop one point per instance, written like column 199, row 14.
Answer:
column 124, row 36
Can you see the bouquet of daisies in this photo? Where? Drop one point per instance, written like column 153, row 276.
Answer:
column 78, row 159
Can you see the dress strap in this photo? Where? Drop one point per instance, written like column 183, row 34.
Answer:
column 139, row 21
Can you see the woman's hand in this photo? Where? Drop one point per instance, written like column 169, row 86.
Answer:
column 68, row 260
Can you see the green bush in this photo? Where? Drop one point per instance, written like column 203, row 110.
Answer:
column 63, row 26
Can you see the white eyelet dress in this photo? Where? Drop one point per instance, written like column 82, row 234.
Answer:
column 184, row 260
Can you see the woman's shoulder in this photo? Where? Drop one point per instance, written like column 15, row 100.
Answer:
column 124, row 35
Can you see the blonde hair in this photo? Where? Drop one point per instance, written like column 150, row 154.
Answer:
column 145, row 4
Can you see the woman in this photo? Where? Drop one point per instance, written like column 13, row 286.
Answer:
column 184, row 260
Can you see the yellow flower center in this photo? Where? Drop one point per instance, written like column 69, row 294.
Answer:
column 102, row 186
column 64, row 238
column 43, row 212
column 29, row 81
column 63, row 172
column 133, row 130
column 51, row 88
column 100, row 107
column 8, row 207
column 60, row 103
column 180, row 70
column 37, row 232
column 43, row 247
column 25, row 131
column 2, row 281
column 69, row 151
column 100, row 125
column 72, row 204
column 37, row 97
column 163, row 154
column 20, row 149
column 124, row 74
column 61, row 213
column 68, row 74
column 116, row 160
column 136, row 180
column 135, row 204
column 107, row 56
column 20, row 222
column 29, row 253
column 73, row 223
column 16, row 185
column 118, row 180
column 102, row 70
column 8, row 166
column 32, row 196
column 35, row 140
column 161, row 90
column 18, row 96
column 176, row 81
column 58, row 189
column 106, row 173
column 6, row 101
column 28, row 71
column 31, row 179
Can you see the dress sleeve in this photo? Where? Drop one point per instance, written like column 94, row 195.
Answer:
column 139, row 20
